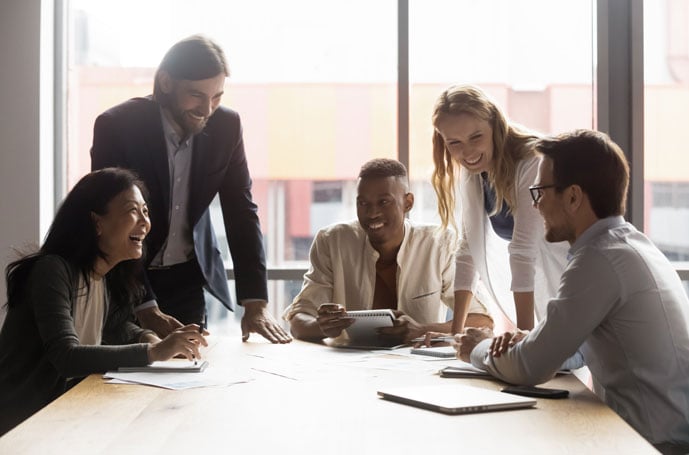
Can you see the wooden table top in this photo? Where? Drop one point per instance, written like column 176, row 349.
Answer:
column 305, row 399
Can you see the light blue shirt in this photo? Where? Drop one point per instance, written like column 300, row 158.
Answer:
column 622, row 301
column 179, row 245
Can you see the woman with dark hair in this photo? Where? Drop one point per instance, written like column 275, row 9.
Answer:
column 70, row 304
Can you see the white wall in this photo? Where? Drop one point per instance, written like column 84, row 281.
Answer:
column 26, row 126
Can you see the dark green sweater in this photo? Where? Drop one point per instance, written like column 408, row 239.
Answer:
column 40, row 354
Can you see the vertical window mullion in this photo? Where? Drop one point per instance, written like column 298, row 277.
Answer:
column 403, row 82
column 621, row 89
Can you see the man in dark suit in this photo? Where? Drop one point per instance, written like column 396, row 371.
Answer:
column 187, row 148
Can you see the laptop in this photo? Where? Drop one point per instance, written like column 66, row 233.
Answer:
column 455, row 399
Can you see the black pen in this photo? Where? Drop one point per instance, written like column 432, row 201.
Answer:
column 201, row 332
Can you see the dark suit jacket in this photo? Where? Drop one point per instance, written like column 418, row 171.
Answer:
column 130, row 135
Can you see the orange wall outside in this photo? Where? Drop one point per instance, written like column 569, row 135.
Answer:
column 302, row 132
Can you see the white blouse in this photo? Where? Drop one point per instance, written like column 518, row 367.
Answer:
column 89, row 311
column 491, row 267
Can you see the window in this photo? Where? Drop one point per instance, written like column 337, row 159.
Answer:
column 534, row 57
column 666, row 103
column 312, row 109
column 316, row 85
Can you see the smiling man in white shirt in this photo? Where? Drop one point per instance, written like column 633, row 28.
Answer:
column 620, row 300
column 381, row 260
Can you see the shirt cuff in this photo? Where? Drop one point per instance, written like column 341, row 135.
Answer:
column 479, row 354
column 146, row 332
column 147, row 304
column 574, row 362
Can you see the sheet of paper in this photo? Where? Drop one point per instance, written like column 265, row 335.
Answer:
column 406, row 352
column 211, row 377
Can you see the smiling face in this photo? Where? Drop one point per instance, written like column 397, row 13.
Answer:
column 468, row 139
column 380, row 206
column 122, row 229
column 191, row 103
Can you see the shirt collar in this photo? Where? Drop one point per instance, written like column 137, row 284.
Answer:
column 170, row 133
column 407, row 225
column 593, row 231
column 375, row 254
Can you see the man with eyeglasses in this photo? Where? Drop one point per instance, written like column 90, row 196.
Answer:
column 620, row 301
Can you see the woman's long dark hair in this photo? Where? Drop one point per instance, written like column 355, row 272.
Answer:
column 72, row 236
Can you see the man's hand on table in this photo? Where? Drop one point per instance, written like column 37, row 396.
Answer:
column 502, row 343
column 257, row 319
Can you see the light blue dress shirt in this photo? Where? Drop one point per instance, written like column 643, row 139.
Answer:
column 622, row 301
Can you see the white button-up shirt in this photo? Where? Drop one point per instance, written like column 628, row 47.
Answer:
column 343, row 271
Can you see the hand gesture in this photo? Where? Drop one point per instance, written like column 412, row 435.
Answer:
column 502, row 343
column 435, row 339
column 154, row 319
column 182, row 342
column 468, row 340
column 332, row 319
column 404, row 329
column 257, row 319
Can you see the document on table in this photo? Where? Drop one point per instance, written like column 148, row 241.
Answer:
column 168, row 366
column 210, row 377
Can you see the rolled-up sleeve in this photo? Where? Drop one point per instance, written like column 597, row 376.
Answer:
column 528, row 230
column 466, row 276
column 318, row 281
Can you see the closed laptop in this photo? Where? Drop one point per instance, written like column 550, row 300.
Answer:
column 455, row 398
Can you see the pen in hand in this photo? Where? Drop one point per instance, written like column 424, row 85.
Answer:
column 201, row 332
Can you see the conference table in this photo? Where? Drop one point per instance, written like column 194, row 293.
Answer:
column 309, row 398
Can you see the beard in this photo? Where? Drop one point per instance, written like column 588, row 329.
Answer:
column 186, row 120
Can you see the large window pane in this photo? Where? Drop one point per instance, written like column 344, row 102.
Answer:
column 534, row 57
column 666, row 106
column 314, row 83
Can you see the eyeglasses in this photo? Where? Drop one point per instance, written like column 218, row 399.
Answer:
column 537, row 193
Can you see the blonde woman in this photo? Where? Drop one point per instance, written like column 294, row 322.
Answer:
column 492, row 163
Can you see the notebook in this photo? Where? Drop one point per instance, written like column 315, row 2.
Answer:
column 367, row 321
column 168, row 366
column 362, row 333
column 469, row 371
column 455, row 399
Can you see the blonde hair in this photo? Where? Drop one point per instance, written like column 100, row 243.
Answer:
column 511, row 144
